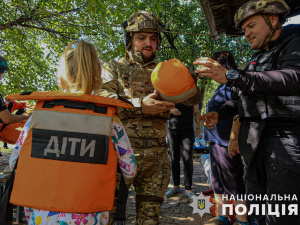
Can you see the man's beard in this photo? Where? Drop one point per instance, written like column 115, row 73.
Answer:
column 146, row 57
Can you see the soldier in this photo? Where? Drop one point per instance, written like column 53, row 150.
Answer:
column 267, row 101
column 130, row 78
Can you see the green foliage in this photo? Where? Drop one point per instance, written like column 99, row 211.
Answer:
column 36, row 32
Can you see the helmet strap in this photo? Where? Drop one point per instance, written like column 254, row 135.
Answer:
column 273, row 30
column 129, row 45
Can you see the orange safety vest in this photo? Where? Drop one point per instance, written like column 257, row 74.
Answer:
column 68, row 162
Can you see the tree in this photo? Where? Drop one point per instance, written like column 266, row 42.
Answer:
column 35, row 33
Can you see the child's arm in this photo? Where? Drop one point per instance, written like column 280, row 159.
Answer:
column 122, row 145
column 16, row 151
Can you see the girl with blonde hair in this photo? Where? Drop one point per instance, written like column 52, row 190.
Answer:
column 80, row 72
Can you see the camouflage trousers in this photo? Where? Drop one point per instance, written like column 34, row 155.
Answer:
column 151, row 182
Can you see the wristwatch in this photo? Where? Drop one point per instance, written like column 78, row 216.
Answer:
column 231, row 75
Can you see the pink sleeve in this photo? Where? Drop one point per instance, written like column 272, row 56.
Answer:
column 123, row 148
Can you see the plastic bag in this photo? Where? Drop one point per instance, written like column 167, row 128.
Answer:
column 197, row 144
column 203, row 142
column 200, row 143
column 205, row 162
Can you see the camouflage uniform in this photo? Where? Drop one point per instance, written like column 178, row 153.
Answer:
column 130, row 78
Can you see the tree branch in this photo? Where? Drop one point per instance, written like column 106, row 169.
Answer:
column 171, row 40
column 74, row 10
column 8, row 25
column 41, row 28
column 27, row 18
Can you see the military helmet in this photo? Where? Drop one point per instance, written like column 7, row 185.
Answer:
column 254, row 7
column 141, row 21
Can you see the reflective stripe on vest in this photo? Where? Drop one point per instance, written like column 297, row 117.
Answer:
column 67, row 162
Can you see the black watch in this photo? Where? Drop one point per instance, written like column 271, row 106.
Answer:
column 232, row 75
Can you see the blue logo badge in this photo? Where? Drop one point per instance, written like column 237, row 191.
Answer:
column 201, row 204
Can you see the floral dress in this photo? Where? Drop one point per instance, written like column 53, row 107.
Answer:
column 126, row 162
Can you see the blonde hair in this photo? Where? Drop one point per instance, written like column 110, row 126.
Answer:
column 82, row 70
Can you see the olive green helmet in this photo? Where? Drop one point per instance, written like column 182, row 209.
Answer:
column 254, row 7
column 143, row 21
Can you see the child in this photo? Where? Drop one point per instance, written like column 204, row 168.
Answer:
column 82, row 75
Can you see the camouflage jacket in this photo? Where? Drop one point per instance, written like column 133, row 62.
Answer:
column 130, row 78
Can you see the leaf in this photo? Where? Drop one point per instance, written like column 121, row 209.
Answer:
column 33, row 51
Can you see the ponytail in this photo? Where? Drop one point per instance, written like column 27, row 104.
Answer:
column 83, row 70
